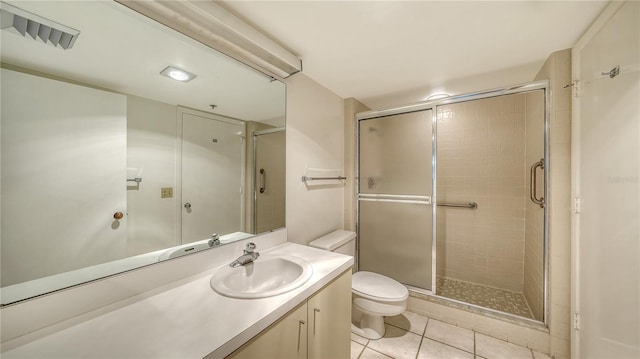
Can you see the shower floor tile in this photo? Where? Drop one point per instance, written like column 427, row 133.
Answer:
column 488, row 297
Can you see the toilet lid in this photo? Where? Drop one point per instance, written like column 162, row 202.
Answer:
column 377, row 286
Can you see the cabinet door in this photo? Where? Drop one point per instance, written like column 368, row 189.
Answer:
column 329, row 313
column 287, row 338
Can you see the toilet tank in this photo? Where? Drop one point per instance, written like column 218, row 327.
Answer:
column 339, row 241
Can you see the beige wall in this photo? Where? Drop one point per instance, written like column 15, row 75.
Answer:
column 481, row 159
column 557, row 69
column 351, row 107
column 315, row 139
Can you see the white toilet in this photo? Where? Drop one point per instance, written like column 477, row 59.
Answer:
column 374, row 295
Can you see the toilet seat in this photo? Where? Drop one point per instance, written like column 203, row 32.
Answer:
column 378, row 287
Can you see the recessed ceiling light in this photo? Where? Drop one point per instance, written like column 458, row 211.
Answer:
column 178, row 74
column 437, row 96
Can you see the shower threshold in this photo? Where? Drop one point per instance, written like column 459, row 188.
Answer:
column 484, row 296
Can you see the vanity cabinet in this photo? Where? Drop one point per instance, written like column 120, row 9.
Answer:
column 286, row 338
column 329, row 313
column 319, row 328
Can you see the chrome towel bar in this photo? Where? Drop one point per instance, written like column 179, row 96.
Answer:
column 307, row 178
column 470, row 205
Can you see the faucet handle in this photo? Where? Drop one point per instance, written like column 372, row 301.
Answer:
column 250, row 247
column 214, row 240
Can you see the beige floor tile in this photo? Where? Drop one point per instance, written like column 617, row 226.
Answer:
column 356, row 349
column 450, row 334
column 492, row 348
column 408, row 321
column 372, row 354
column 358, row 339
column 397, row 343
column 538, row 355
column 434, row 350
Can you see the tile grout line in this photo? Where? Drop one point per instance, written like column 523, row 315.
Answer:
column 366, row 346
column 475, row 350
column 424, row 331
column 361, row 351
column 424, row 335
column 381, row 353
column 449, row 345
column 419, row 346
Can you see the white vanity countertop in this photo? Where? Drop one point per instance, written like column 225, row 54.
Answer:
column 188, row 320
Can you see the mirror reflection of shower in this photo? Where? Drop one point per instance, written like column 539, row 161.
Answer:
column 268, row 179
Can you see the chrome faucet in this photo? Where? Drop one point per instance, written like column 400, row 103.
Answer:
column 249, row 256
column 215, row 240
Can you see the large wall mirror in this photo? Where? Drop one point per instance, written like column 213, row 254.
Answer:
column 110, row 163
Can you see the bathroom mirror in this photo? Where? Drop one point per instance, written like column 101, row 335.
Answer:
column 109, row 162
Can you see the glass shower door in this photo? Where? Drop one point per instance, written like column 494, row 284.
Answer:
column 394, row 197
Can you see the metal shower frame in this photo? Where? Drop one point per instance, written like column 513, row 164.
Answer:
column 433, row 106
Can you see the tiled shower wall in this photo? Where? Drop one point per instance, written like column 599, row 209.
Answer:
column 481, row 158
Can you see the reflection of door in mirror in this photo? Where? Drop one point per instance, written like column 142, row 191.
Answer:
column 58, row 203
column 269, row 188
column 212, row 175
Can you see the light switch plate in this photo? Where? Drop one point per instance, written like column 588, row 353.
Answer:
column 166, row 192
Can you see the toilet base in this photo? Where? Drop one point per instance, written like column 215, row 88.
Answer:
column 370, row 326
column 366, row 324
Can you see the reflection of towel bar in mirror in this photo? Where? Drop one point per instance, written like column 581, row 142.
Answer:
column 307, row 178
column 136, row 180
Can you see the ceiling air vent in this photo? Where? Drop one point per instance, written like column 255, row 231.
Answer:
column 25, row 23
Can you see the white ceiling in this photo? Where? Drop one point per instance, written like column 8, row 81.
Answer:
column 393, row 52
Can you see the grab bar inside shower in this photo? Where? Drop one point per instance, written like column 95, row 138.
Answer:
column 263, row 180
column 533, row 183
column 470, row 205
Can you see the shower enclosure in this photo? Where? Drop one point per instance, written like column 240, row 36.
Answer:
column 451, row 198
column 268, row 179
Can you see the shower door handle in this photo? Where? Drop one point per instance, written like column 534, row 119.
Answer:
column 533, row 185
column 263, row 180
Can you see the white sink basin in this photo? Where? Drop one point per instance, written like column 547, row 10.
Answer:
column 265, row 277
